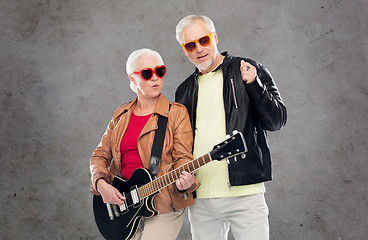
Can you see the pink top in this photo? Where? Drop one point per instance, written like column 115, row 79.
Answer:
column 130, row 159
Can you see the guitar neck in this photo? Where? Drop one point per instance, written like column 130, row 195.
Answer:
column 170, row 177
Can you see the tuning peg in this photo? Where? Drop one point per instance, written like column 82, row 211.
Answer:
column 235, row 132
column 227, row 136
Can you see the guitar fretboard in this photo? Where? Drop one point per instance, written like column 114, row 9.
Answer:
column 170, row 177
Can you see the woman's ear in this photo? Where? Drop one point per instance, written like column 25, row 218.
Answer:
column 132, row 79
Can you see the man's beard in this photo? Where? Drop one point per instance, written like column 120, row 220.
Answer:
column 206, row 65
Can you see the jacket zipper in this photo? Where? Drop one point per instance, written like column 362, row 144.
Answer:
column 193, row 96
column 233, row 89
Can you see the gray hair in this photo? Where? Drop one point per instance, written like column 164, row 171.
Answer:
column 186, row 21
column 131, row 63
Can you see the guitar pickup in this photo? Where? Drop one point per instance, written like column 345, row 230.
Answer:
column 123, row 207
column 135, row 197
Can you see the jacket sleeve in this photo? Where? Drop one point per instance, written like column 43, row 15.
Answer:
column 183, row 143
column 101, row 159
column 266, row 99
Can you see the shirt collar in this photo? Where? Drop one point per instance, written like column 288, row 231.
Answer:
column 218, row 67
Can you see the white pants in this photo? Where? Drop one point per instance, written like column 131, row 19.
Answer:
column 161, row 227
column 211, row 218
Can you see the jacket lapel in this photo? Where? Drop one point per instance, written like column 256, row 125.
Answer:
column 161, row 108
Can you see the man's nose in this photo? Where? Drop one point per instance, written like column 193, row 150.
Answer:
column 199, row 47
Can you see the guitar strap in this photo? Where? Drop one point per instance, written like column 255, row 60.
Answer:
column 158, row 143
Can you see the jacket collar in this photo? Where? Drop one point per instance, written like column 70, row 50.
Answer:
column 226, row 60
column 223, row 65
column 162, row 106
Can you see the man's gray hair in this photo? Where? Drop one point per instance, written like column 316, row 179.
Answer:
column 131, row 63
column 186, row 21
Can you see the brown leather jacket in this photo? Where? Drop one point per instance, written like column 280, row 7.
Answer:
column 176, row 150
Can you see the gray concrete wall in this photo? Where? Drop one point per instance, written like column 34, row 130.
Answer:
column 62, row 70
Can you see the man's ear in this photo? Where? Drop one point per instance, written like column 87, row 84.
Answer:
column 185, row 52
column 215, row 36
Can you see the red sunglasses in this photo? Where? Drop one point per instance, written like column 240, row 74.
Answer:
column 147, row 73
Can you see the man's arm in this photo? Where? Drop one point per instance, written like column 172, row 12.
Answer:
column 264, row 95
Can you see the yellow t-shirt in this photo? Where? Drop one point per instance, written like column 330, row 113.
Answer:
column 210, row 130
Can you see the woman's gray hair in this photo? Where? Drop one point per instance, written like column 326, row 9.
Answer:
column 131, row 63
column 186, row 21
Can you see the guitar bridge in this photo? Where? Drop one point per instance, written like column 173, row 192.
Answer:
column 115, row 210
column 124, row 206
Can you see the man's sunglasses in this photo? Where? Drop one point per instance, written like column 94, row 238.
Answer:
column 203, row 41
column 147, row 73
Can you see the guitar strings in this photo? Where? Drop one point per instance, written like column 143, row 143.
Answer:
column 164, row 180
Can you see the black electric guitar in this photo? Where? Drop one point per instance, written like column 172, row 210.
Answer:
column 120, row 222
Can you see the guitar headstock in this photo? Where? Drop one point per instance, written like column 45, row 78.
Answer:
column 233, row 146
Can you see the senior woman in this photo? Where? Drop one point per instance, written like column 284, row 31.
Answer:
column 128, row 142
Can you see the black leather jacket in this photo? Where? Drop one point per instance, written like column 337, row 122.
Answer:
column 249, row 108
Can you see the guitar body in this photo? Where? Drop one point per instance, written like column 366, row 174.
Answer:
column 124, row 224
column 121, row 222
